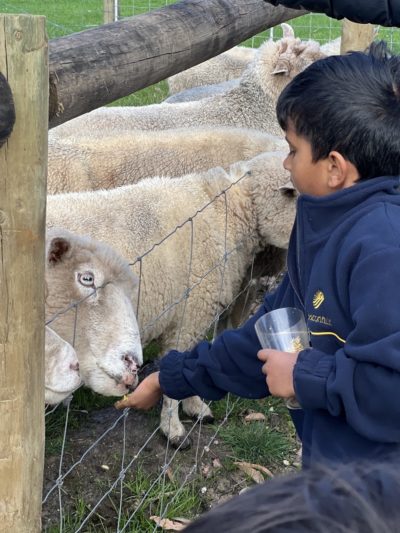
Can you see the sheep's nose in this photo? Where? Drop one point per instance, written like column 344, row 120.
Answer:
column 74, row 366
column 131, row 362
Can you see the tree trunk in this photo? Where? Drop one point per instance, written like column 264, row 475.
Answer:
column 95, row 67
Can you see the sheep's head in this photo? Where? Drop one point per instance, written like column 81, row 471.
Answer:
column 90, row 298
column 61, row 368
column 273, row 196
column 278, row 62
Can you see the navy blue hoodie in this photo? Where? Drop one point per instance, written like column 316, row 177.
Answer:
column 344, row 273
column 384, row 12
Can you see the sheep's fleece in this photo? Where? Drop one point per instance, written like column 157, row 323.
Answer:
column 184, row 271
column 121, row 159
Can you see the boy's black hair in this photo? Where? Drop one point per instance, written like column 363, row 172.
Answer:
column 352, row 498
column 350, row 104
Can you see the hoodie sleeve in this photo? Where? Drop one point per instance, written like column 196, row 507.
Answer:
column 383, row 12
column 361, row 381
column 229, row 364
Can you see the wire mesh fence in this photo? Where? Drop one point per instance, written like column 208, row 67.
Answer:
column 85, row 487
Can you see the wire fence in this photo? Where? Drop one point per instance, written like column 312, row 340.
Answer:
column 60, row 491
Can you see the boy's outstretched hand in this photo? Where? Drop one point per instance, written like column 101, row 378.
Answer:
column 278, row 368
column 145, row 396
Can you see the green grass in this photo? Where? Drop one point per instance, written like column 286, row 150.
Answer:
column 266, row 442
column 162, row 498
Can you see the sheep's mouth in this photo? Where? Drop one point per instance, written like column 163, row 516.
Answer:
column 128, row 377
column 68, row 390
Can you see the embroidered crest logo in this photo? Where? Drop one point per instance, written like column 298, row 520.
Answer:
column 319, row 297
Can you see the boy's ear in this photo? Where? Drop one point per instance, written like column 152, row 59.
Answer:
column 341, row 173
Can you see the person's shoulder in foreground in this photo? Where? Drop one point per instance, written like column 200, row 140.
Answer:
column 355, row 498
column 383, row 12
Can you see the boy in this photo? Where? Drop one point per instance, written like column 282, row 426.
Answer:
column 341, row 117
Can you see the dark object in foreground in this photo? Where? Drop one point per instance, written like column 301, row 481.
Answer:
column 356, row 497
column 7, row 110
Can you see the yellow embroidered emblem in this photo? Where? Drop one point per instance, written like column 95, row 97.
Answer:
column 319, row 297
column 297, row 345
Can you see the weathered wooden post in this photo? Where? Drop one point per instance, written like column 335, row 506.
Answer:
column 23, row 162
column 110, row 11
column 356, row 36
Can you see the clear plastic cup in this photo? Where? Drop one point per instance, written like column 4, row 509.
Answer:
column 283, row 329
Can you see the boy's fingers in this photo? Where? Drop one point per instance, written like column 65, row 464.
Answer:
column 263, row 355
column 121, row 404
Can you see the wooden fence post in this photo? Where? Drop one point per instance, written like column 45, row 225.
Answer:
column 356, row 36
column 110, row 11
column 23, row 164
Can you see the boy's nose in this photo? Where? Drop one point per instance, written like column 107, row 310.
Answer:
column 286, row 164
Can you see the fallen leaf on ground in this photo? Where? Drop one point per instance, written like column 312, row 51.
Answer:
column 177, row 524
column 247, row 467
column 254, row 417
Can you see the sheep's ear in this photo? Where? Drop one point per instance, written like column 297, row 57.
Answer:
column 287, row 30
column 288, row 190
column 58, row 250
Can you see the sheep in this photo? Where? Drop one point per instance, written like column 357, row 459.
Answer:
column 209, row 78
column 61, row 368
column 176, row 304
column 201, row 92
column 223, row 67
column 332, row 48
column 122, row 159
column 106, row 337
column 251, row 104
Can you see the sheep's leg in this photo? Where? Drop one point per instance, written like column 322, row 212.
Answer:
column 171, row 426
column 195, row 407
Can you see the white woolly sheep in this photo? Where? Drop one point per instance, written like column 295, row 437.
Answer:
column 106, row 337
column 204, row 91
column 61, row 368
column 332, row 48
column 224, row 67
column 251, row 104
column 122, row 159
column 176, row 304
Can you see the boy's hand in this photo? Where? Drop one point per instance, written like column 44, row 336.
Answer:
column 145, row 396
column 278, row 368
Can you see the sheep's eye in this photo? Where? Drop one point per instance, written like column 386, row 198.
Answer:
column 86, row 279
